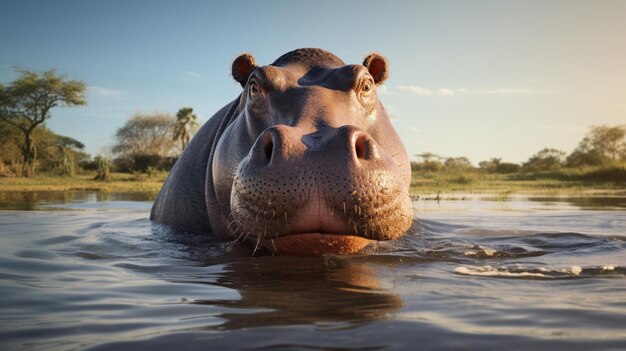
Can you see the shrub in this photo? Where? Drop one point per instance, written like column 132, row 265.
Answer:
column 616, row 173
column 104, row 168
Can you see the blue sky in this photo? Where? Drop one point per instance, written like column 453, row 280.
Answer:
column 479, row 79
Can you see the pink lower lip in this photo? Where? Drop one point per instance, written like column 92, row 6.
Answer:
column 315, row 244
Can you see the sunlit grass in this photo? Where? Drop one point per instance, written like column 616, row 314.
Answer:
column 120, row 182
column 424, row 184
column 576, row 183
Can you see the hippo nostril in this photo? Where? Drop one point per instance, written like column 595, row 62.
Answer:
column 268, row 147
column 360, row 146
column 364, row 147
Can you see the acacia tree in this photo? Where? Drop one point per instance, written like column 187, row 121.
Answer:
column 146, row 140
column 602, row 145
column 427, row 156
column 186, row 125
column 458, row 163
column 545, row 160
column 26, row 102
column 609, row 141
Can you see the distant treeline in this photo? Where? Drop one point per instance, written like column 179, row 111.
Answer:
column 600, row 155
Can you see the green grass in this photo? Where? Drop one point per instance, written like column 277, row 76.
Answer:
column 612, row 173
column 578, row 182
column 569, row 182
column 120, row 182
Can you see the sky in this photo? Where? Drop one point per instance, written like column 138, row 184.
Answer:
column 479, row 79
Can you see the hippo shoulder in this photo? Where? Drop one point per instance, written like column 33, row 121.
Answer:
column 181, row 203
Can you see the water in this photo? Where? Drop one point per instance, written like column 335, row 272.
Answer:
column 83, row 271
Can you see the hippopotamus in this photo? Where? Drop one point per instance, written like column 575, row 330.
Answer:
column 305, row 161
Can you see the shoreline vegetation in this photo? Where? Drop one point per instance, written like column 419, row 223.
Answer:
column 578, row 182
column 424, row 185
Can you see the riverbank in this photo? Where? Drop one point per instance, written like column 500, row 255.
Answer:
column 120, row 182
column 422, row 186
column 441, row 187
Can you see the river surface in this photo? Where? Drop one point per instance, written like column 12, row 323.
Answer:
column 84, row 270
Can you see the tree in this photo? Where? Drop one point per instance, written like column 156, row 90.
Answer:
column 545, row 160
column 186, row 125
column 145, row 134
column 145, row 141
column 427, row 156
column 70, row 149
column 583, row 156
column 602, row 145
column 430, row 163
column 10, row 142
column 508, row 167
column 27, row 101
column 495, row 165
column 458, row 163
column 490, row 166
column 51, row 151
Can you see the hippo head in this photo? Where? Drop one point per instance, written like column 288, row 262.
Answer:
column 311, row 163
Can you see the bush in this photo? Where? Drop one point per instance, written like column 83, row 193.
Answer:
column 613, row 173
column 545, row 160
column 144, row 163
column 616, row 173
column 104, row 168
column 506, row 167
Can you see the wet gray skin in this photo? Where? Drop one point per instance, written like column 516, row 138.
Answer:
column 307, row 148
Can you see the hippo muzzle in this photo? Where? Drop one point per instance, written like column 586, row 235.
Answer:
column 308, row 162
column 333, row 191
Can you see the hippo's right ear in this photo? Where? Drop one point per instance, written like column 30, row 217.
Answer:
column 377, row 66
column 242, row 67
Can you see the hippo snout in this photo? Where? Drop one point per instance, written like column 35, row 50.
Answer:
column 298, row 189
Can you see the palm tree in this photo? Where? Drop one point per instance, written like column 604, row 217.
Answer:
column 186, row 125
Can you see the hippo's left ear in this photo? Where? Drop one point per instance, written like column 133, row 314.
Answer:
column 377, row 66
column 243, row 65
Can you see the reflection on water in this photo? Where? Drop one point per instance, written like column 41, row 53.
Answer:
column 80, row 199
column 586, row 202
column 320, row 291
column 525, row 273
column 76, row 199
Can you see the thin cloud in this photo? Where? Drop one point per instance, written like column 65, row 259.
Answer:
column 192, row 74
column 418, row 90
column 105, row 92
column 444, row 91
column 414, row 89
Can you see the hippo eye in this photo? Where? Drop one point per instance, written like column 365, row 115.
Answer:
column 365, row 93
column 366, row 87
column 255, row 90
